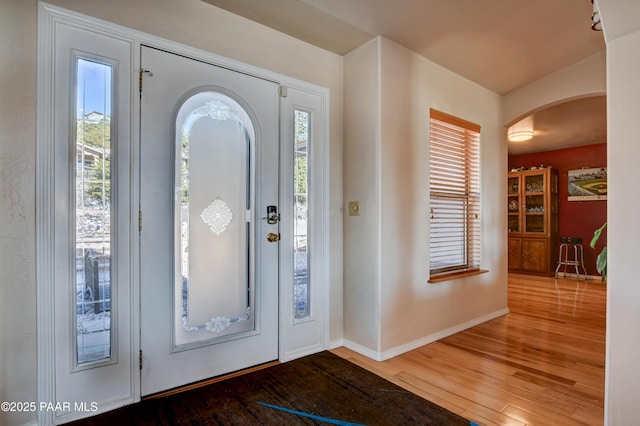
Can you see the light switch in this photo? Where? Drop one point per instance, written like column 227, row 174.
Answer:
column 354, row 208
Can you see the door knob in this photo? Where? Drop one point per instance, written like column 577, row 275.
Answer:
column 272, row 237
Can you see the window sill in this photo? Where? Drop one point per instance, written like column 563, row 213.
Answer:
column 448, row 276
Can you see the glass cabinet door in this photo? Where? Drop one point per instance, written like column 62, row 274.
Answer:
column 513, row 203
column 513, row 185
column 534, row 205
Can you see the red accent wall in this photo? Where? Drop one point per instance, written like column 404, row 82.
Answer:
column 575, row 218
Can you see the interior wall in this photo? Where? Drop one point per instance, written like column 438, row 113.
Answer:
column 361, row 176
column 575, row 218
column 582, row 79
column 17, row 213
column 388, row 93
column 191, row 22
column 622, row 31
column 413, row 310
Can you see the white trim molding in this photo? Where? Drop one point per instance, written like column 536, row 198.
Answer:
column 45, row 253
column 398, row 350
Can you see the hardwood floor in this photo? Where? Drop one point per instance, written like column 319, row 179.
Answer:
column 542, row 364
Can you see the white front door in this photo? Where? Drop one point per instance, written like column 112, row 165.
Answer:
column 209, row 221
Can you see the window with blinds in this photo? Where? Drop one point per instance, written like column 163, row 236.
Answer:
column 454, row 196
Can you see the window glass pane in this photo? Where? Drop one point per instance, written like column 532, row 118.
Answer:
column 93, row 211
column 454, row 194
column 301, row 307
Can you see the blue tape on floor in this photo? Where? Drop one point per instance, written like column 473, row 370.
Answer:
column 474, row 423
column 311, row 416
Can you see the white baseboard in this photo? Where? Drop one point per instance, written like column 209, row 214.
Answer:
column 363, row 350
column 336, row 344
column 382, row 356
column 299, row 353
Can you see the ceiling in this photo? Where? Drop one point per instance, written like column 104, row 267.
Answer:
column 569, row 124
column 499, row 44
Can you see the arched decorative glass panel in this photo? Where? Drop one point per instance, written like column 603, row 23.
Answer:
column 214, row 290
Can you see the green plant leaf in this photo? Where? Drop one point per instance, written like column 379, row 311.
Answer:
column 601, row 263
column 596, row 236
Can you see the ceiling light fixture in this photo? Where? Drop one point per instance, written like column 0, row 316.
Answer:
column 521, row 131
column 520, row 136
column 596, row 25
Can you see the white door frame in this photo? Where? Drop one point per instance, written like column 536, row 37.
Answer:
column 50, row 17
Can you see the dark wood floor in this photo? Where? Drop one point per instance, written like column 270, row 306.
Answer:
column 542, row 364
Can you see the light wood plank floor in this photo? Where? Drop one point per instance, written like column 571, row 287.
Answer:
column 542, row 364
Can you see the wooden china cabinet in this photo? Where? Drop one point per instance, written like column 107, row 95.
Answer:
column 532, row 209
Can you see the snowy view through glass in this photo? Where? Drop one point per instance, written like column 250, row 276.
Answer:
column 301, row 209
column 93, row 212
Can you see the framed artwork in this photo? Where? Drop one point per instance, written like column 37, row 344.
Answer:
column 588, row 184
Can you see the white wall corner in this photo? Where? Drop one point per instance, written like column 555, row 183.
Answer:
column 363, row 350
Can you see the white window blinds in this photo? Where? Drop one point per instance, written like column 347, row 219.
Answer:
column 454, row 195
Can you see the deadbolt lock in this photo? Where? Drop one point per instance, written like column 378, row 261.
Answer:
column 273, row 216
column 272, row 237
